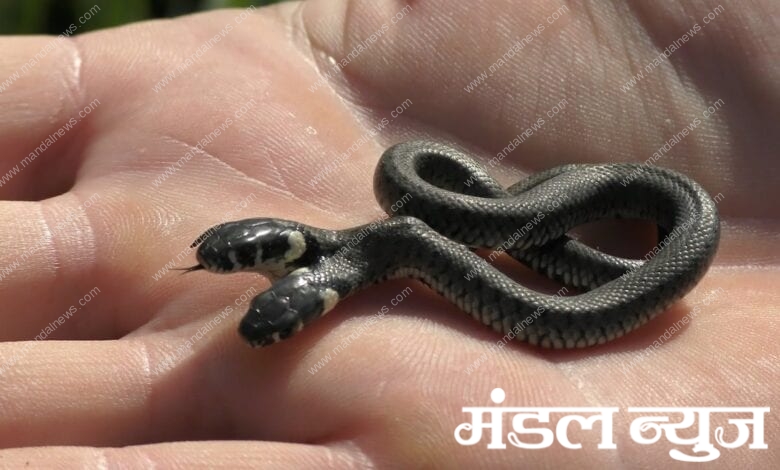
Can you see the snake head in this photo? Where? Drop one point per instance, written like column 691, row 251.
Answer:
column 285, row 308
column 272, row 247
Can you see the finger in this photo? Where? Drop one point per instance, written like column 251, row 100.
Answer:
column 43, row 111
column 69, row 392
column 166, row 387
column 199, row 381
column 44, row 247
column 191, row 455
column 60, row 264
column 130, row 392
column 95, row 263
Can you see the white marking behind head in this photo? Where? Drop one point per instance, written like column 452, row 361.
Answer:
column 297, row 243
column 329, row 299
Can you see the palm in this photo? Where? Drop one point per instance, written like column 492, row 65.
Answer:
column 393, row 383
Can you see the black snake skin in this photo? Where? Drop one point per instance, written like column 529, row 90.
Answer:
column 443, row 204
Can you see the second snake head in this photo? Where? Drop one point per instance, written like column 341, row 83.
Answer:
column 273, row 247
column 285, row 308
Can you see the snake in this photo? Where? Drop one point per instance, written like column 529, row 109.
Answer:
column 442, row 207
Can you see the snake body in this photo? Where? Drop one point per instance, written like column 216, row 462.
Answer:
column 451, row 206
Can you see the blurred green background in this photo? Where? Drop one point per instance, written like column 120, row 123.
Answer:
column 55, row 16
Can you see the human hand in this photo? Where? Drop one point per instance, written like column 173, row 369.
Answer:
column 101, row 208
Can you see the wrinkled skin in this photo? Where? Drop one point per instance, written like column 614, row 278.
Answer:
column 393, row 396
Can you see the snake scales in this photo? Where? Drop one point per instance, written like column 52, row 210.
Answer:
column 452, row 205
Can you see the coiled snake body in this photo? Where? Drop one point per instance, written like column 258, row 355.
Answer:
column 450, row 205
